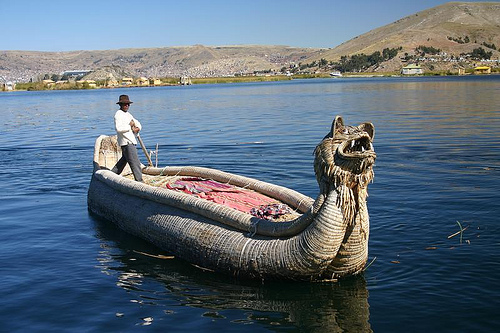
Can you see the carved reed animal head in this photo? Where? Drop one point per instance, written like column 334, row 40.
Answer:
column 346, row 155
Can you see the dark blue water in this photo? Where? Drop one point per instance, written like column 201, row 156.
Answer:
column 438, row 166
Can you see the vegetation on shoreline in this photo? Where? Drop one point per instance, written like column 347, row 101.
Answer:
column 360, row 62
column 36, row 86
column 29, row 86
column 239, row 79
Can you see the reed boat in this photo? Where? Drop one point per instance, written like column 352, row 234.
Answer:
column 205, row 216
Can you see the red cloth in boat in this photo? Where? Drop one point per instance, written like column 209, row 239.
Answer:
column 244, row 200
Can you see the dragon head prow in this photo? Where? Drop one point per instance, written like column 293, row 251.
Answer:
column 346, row 155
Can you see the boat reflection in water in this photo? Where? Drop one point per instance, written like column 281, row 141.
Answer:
column 173, row 287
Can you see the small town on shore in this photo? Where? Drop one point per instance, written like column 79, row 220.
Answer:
column 75, row 79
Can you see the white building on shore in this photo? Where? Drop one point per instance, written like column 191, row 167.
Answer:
column 412, row 69
column 8, row 86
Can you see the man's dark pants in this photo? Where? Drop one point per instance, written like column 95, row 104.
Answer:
column 129, row 155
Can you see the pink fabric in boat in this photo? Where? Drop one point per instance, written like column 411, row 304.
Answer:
column 244, row 200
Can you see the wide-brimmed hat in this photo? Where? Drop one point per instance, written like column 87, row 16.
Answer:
column 124, row 100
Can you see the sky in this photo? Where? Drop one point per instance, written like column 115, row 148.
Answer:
column 70, row 25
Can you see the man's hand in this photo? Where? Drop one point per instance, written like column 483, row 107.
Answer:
column 135, row 129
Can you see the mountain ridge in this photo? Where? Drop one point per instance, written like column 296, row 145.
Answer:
column 194, row 61
column 433, row 27
column 443, row 27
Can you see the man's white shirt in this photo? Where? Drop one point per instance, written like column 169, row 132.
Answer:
column 123, row 130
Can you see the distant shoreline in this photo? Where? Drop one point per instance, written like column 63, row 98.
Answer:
column 37, row 86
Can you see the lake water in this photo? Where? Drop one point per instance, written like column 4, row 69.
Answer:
column 438, row 167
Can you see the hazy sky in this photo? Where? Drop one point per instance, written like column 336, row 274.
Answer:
column 65, row 25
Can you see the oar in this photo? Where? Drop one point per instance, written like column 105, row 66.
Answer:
column 144, row 150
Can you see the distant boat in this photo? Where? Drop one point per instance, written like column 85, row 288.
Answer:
column 325, row 239
column 336, row 74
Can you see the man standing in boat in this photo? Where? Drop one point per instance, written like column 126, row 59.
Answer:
column 126, row 128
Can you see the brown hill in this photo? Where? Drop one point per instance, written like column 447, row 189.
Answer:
column 441, row 27
column 455, row 28
column 193, row 61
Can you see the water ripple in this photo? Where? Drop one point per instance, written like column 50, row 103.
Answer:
column 437, row 144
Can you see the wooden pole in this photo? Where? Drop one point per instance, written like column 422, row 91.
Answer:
column 156, row 156
column 145, row 150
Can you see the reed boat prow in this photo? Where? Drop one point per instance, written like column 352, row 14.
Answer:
column 182, row 210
